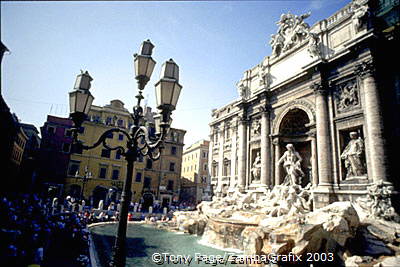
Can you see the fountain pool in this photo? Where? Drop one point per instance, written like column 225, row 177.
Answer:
column 146, row 241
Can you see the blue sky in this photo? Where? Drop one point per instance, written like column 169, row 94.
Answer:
column 213, row 43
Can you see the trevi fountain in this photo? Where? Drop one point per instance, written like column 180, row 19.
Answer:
column 299, row 163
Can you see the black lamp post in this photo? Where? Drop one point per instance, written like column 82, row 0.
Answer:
column 84, row 179
column 139, row 141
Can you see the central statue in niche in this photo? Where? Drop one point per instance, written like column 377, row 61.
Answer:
column 292, row 163
column 256, row 169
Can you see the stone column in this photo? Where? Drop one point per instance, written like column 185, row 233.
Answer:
column 233, row 157
column 314, row 160
column 265, row 149
column 377, row 169
column 221, row 154
column 324, row 152
column 210, row 158
column 273, row 167
column 242, row 153
column 277, row 152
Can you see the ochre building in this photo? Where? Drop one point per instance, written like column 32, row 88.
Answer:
column 152, row 181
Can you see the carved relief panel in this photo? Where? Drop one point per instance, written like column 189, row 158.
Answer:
column 255, row 130
column 347, row 96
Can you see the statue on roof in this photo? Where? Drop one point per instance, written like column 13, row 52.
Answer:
column 292, row 30
column 243, row 90
column 360, row 12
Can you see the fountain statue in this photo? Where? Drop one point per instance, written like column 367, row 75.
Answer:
column 256, row 169
column 353, row 156
column 291, row 162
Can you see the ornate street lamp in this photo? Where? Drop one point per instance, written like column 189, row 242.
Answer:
column 139, row 140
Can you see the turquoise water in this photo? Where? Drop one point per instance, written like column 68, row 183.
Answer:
column 148, row 246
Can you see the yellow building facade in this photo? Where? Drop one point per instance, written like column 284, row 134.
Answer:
column 195, row 169
column 107, row 169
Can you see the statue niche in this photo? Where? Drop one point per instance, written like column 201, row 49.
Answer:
column 294, row 132
column 295, row 123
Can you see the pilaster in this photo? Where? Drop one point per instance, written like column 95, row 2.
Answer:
column 265, row 148
column 324, row 149
column 277, row 153
column 242, row 153
column 375, row 142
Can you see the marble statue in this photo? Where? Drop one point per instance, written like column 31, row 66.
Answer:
column 314, row 45
column 360, row 10
column 101, row 204
column 256, row 168
column 353, row 156
column 264, row 76
column 291, row 162
column 377, row 203
column 292, row 30
column 243, row 90
column 276, row 43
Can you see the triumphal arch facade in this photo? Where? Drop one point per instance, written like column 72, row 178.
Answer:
column 317, row 95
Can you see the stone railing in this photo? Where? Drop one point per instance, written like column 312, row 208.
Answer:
column 339, row 16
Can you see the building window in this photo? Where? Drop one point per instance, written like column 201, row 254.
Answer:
column 103, row 172
column 147, row 182
column 204, row 155
column 120, row 137
column 117, row 154
column 138, row 177
column 108, row 120
column 68, row 133
column 227, row 168
column 205, row 166
column 215, row 170
column 170, row 186
column 173, row 150
column 51, row 130
column 172, row 166
column 115, row 174
column 73, row 167
column 105, row 153
column 66, row 147
column 203, row 180
column 120, row 123
column 149, row 164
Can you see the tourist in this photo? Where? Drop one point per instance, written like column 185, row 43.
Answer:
column 30, row 234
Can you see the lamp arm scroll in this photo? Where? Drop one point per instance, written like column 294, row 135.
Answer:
column 103, row 141
column 149, row 147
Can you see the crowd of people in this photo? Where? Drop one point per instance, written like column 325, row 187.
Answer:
column 32, row 233
column 39, row 231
